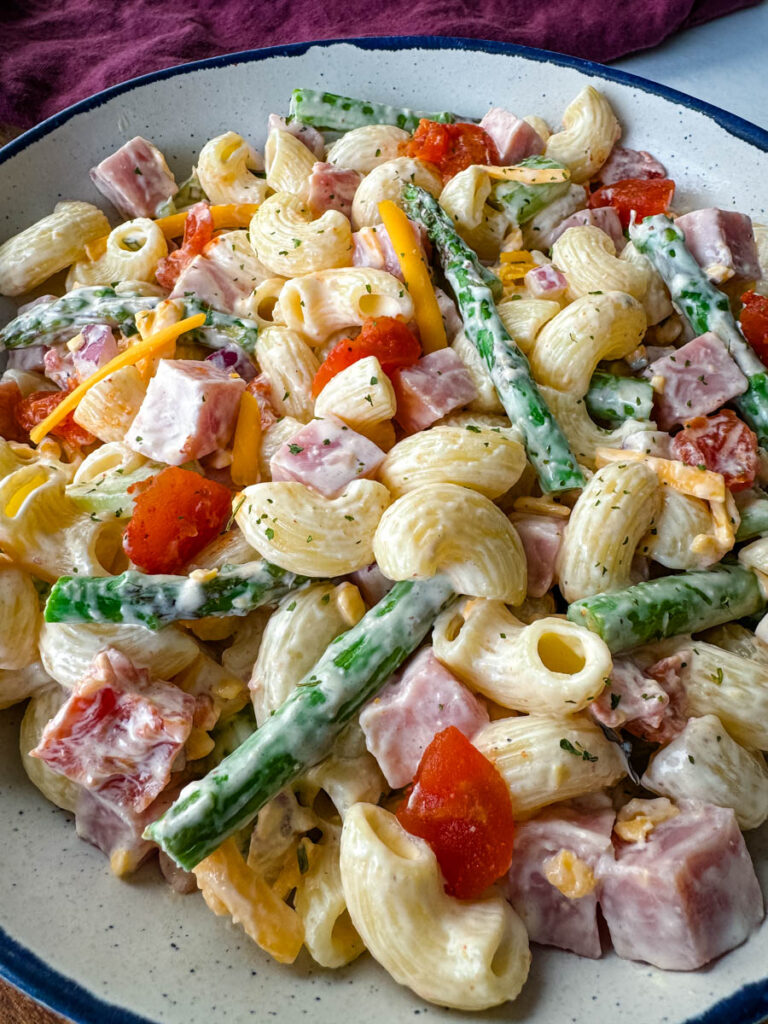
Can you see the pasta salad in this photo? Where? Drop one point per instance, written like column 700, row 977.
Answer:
column 384, row 538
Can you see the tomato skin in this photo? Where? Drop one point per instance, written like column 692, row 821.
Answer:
column 722, row 443
column 10, row 400
column 646, row 196
column 35, row 407
column 198, row 231
column 451, row 147
column 174, row 517
column 754, row 322
column 460, row 805
column 393, row 344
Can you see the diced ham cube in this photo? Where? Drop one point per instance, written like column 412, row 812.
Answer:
column 326, row 455
column 546, row 282
column 604, row 217
column 631, row 698
column 697, row 378
column 223, row 275
column 668, row 674
column 372, row 583
column 562, row 845
column 261, row 389
column 305, row 133
column 434, row 386
column 684, row 896
column 372, row 247
column 59, row 366
column 190, row 410
column 419, row 702
column 722, row 243
column 541, row 537
column 98, row 348
column 119, row 732
column 332, row 188
column 630, row 163
column 135, row 179
column 514, row 138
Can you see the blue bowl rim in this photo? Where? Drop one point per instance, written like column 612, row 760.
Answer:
column 20, row 966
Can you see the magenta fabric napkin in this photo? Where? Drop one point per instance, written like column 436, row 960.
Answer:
column 55, row 53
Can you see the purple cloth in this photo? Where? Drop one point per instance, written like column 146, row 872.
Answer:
column 56, row 53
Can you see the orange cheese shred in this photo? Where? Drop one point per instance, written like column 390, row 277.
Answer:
column 130, row 356
column 245, row 448
column 417, row 281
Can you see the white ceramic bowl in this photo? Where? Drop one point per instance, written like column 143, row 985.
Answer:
column 109, row 952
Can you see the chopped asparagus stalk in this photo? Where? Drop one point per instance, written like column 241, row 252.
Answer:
column 190, row 192
column 220, row 329
column 302, row 731
column 687, row 603
column 522, row 202
column 706, row 309
column 545, row 443
column 753, row 509
column 329, row 112
column 154, row 601
column 616, row 399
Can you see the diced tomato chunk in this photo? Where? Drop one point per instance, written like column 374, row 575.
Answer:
column 754, row 322
column 645, row 196
column 722, row 443
column 198, row 231
column 10, row 400
column 451, row 147
column 33, row 410
column 460, row 805
column 174, row 517
column 393, row 344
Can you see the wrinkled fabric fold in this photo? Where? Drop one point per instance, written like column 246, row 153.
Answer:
column 55, row 53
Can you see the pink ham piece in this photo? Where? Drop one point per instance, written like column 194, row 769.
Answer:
column 98, row 348
column 605, row 218
column 261, row 389
column 722, row 243
column 59, row 366
column 135, row 179
column 119, row 732
column 631, row 698
column 552, row 918
column 698, row 378
column 332, row 188
column 327, row 456
column 451, row 319
column 668, row 674
column 546, row 282
column 372, row 583
column 630, row 163
column 305, row 133
column 434, row 386
column 541, row 537
column 220, row 277
column 372, row 247
column 685, row 895
column 189, row 411
column 514, row 138
column 419, row 702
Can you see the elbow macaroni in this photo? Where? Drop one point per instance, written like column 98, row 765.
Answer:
column 132, row 254
column 224, row 168
column 288, row 163
column 361, row 395
column 290, row 364
column 364, row 148
column 289, row 242
column 386, row 182
column 590, row 129
column 587, row 257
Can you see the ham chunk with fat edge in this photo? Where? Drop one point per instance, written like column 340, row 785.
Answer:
column 541, row 537
column 332, row 188
column 685, row 895
column 135, row 179
column 514, row 138
column 420, row 701
column 437, row 384
column 189, row 411
column 604, row 217
column 722, row 243
column 631, row 698
column 327, row 456
column 696, row 379
column 630, row 163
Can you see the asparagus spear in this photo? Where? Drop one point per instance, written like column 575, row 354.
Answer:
column 665, row 607
column 220, row 329
column 545, row 443
column 706, row 308
column 753, row 509
column 302, row 731
column 189, row 193
column 522, row 202
column 154, row 601
column 329, row 112
column 616, row 399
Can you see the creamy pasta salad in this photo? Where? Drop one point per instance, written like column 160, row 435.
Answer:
column 384, row 542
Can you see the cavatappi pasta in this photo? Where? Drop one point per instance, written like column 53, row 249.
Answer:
column 400, row 618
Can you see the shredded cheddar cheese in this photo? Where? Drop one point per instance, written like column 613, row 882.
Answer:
column 569, row 874
column 245, row 448
column 637, row 819
column 541, row 507
column 416, row 275
column 699, row 483
column 129, row 357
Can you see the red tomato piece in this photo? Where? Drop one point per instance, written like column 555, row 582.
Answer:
column 451, row 147
column 393, row 344
column 722, row 443
column 460, row 804
column 33, row 410
column 644, row 196
column 198, row 231
column 10, row 400
column 174, row 517
column 754, row 322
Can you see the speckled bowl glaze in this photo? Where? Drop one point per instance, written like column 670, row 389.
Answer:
column 104, row 951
